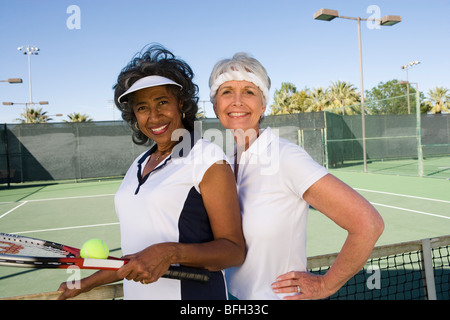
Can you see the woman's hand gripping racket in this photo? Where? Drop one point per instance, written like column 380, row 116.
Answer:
column 20, row 251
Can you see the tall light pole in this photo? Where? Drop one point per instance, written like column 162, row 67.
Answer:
column 389, row 20
column 406, row 67
column 29, row 51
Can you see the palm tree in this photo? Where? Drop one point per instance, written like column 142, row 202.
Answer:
column 285, row 100
column 78, row 117
column 317, row 100
column 343, row 94
column 439, row 100
column 32, row 115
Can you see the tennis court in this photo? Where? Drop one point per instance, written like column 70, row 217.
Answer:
column 413, row 208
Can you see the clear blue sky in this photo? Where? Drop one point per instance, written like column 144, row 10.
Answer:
column 76, row 68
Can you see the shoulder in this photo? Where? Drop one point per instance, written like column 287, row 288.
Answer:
column 288, row 151
column 295, row 164
column 208, row 152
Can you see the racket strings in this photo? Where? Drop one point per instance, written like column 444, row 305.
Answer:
column 31, row 248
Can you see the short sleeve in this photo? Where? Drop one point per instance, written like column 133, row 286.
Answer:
column 299, row 171
column 204, row 155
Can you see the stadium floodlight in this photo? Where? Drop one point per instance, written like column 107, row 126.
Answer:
column 326, row 14
column 406, row 67
column 12, row 80
column 15, row 80
column 389, row 20
column 410, row 65
column 29, row 50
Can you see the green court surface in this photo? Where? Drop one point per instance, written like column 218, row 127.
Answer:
column 432, row 167
column 413, row 208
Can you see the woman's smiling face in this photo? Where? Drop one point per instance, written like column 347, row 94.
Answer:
column 158, row 113
column 239, row 105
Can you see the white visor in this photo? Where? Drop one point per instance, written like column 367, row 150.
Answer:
column 148, row 82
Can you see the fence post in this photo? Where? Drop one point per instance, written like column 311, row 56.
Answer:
column 419, row 135
column 324, row 141
column 428, row 267
column 8, row 165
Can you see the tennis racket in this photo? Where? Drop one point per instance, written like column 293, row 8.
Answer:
column 20, row 251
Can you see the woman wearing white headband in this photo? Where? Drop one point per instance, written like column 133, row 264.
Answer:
column 178, row 202
column 277, row 181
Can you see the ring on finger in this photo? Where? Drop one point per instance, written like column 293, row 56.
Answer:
column 298, row 289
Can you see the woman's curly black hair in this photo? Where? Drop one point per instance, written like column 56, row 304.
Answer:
column 156, row 60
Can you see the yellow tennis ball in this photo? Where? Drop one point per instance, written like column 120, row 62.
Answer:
column 94, row 249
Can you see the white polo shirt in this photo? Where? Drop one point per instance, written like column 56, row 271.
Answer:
column 166, row 206
column 273, row 174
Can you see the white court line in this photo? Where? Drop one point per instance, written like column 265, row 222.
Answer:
column 69, row 198
column 16, row 207
column 64, row 228
column 402, row 195
column 68, row 228
column 64, row 198
column 409, row 210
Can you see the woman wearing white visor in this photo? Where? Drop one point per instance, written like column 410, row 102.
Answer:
column 177, row 204
column 277, row 181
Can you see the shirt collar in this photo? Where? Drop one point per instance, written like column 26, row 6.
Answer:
column 185, row 144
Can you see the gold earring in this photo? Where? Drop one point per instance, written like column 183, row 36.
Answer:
column 136, row 126
column 184, row 115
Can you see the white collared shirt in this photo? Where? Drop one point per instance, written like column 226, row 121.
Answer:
column 272, row 177
column 167, row 206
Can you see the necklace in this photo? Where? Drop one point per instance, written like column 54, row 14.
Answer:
column 161, row 154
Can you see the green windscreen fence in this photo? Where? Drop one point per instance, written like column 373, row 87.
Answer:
column 60, row 151
column 402, row 144
column 76, row 151
column 392, row 137
column 409, row 143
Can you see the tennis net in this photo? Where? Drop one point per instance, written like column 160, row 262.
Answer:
column 416, row 270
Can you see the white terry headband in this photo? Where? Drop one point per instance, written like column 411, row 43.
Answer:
column 238, row 75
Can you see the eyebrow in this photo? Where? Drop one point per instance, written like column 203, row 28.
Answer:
column 253, row 86
column 154, row 100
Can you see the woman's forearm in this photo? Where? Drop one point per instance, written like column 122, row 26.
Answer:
column 351, row 259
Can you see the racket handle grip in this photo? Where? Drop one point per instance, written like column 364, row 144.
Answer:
column 186, row 273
